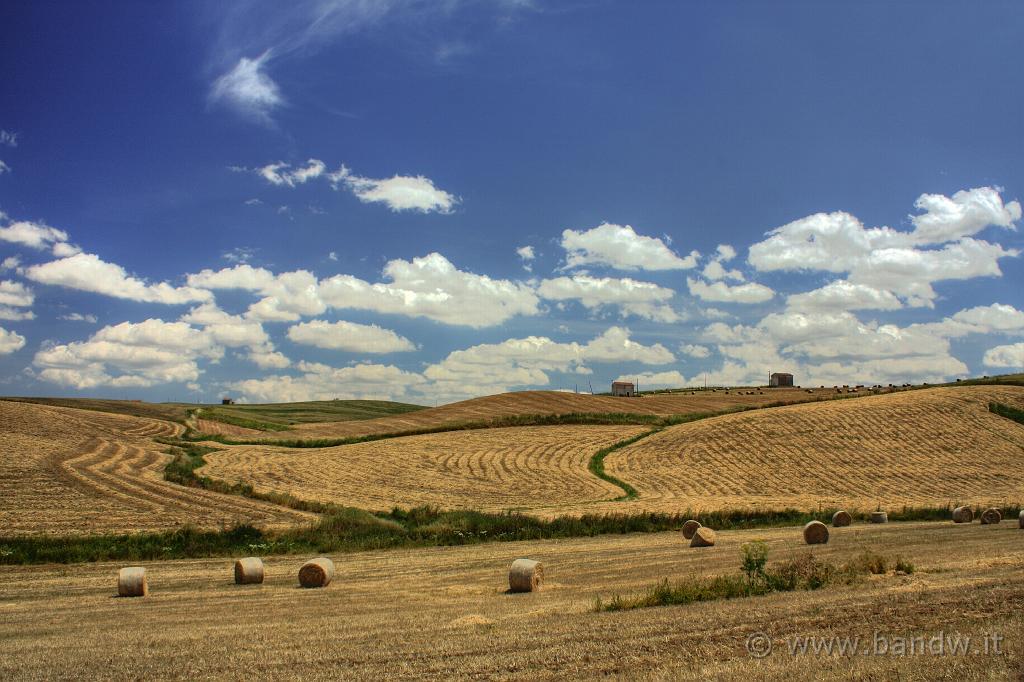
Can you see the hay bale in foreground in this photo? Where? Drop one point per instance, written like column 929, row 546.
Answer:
column 815, row 533
column 131, row 582
column 991, row 517
column 689, row 528
column 316, row 572
column 841, row 518
column 249, row 571
column 703, row 537
column 879, row 517
column 525, row 575
column 1021, row 519
column 963, row 515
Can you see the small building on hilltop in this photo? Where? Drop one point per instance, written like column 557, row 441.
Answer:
column 779, row 379
column 624, row 389
column 227, row 401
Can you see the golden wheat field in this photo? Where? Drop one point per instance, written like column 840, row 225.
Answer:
column 920, row 448
column 443, row 613
column 925, row 447
column 69, row 471
column 536, row 468
column 533, row 403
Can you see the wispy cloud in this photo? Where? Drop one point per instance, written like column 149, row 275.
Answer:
column 8, row 138
column 249, row 90
column 302, row 27
column 399, row 192
column 239, row 254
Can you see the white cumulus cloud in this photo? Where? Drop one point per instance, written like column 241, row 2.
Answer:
column 349, row 336
column 129, row 355
column 322, row 382
column 432, row 287
column 10, row 341
column 497, row 367
column 941, row 246
column 844, row 295
column 33, row 235
column 87, row 272
column 695, row 350
column 641, row 299
column 620, row 247
column 721, row 292
column 1009, row 356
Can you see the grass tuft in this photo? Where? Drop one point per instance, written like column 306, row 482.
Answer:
column 805, row 572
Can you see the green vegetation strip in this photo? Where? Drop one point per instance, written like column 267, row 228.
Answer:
column 346, row 529
column 806, row 572
column 1007, row 411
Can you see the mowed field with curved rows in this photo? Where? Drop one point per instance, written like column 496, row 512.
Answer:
column 924, row 447
column 68, row 471
column 529, row 468
column 532, row 403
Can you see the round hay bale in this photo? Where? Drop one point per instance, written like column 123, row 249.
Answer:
column 879, row 517
column 1021, row 519
column 841, row 518
column 991, row 517
column 703, row 537
column 316, row 572
column 249, row 571
column 815, row 533
column 689, row 528
column 131, row 582
column 525, row 575
column 963, row 515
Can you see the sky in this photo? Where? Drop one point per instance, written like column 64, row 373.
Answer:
column 431, row 201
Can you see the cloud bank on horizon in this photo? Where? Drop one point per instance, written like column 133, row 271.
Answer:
column 822, row 334
column 438, row 274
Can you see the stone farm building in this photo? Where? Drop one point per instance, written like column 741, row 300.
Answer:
column 780, row 379
column 624, row 389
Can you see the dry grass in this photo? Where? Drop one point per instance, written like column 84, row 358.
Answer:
column 67, row 471
column 920, row 448
column 534, row 402
column 444, row 614
column 538, row 468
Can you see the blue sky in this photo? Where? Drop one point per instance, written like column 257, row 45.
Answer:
column 429, row 201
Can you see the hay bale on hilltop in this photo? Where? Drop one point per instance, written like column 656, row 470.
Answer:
column 991, row 517
column 963, row 515
column 249, row 571
column 525, row 575
column 815, row 533
column 879, row 517
column 316, row 572
column 841, row 518
column 689, row 528
column 703, row 537
column 131, row 582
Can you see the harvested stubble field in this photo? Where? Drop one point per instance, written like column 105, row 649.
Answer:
column 443, row 613
column 533, row 403
column 536, row 468
column 919, row 448
column 69, row 471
